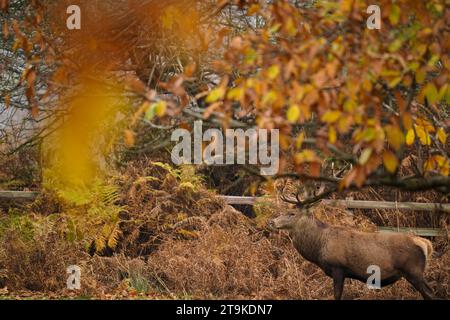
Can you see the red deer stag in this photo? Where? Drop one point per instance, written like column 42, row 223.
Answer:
column 345, row 253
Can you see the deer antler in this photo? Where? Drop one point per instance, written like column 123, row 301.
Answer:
column 308, row 200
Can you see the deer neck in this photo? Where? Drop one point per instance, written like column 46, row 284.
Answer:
column 309, row 238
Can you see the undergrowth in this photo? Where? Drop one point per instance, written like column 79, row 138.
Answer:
column 155, row 231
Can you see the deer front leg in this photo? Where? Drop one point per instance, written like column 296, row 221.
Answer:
column 338, row 283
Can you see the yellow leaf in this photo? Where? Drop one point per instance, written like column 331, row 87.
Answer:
column 332, row 136
column 421, row 75
column 429, row 164
column 423, row 135
column 365, row 156
column 306, row 156
column 395, row 45
column 410, row 137
column 299, row 141
column 215, row 94
column 395, row 81
column 443, row 91
column 346, row 5
column 394, row 14
column 431, row 93
column 160, row 108
column 443, row 164
column 290, row 26
column 441, row 160
column 235, row 94
column 350, row 105
column 273, row 71
column 270, row 97
column 395, row 136
column 441, row 135
column 390, row 161
column 344, row 124
column 293, row 113
column 331, row 116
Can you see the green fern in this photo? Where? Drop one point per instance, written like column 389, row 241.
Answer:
column 92, row 215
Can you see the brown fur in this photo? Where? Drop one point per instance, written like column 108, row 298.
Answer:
column 345, row 253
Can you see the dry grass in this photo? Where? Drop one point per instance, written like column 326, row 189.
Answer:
column 37, row 264
column 241, row 263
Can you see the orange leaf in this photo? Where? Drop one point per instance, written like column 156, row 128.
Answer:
column 5, row 30
column 129, row 138
column 7, row 101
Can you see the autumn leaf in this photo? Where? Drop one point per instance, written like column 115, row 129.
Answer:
column 7, row 101
column 190, row 69
column 390, row 161
column 423, row 135
column 394, row 14
column 421, row 75
column 365, row 156
column 332, row 135
column 299, row 140
column 431, row 93
column 273, row 72
column 293, row 113
column 395, row 136
column 5, row 30
column 254, row 8
column 331, row 116
column 4, row 4
column 410, row 137
column 215, row 94
column 270, row 97
column 160, row 108
column 441, row 135
column 129, row 138
column 306, row 156
column 235, row 94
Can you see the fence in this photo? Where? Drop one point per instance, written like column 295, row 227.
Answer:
column 357, row 204
column 350, row 204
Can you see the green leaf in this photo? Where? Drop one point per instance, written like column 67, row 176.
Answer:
column 150, row 114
